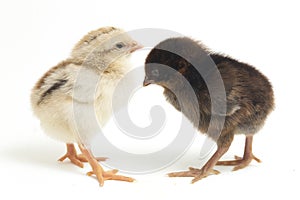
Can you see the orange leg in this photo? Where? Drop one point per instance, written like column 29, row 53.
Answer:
column 239, row 162
column 98, row 170
column 75, row 158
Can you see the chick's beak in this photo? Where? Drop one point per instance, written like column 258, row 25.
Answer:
column 135, row 47
column 147, row 81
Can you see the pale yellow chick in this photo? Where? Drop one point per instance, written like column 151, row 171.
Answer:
column 73, row 100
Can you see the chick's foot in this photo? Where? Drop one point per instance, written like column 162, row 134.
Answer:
column 98, row 170
column 75, row 158
column 206, row 170
column 112, row 175
column 239, row 162
column 194, row 172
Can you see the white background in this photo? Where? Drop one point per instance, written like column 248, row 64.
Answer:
column 36, row 35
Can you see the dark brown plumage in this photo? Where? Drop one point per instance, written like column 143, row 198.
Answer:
column 239, row 105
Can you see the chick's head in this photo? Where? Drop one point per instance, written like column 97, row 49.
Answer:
column 173, row 62
column 104, row 46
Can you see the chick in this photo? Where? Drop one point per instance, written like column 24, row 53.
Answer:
column 64, row 97
column 248, row 96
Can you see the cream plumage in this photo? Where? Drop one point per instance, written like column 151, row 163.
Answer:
column 65, row 96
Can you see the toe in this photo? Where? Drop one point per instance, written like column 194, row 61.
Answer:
column 76, row 162
column 238, row 157
column 191, row 173
column 256, row 159
column 111, row 172
column 181, row 174
column 120, row 178
column 63, row 158
column 101, row 159
column 82, row 158
column 241, row 166
column 197, row 178
column 73, row 160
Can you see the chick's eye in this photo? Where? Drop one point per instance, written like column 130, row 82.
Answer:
column 120, row 45
column 155, row 72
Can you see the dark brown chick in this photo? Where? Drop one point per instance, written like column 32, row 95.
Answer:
column 191, row 76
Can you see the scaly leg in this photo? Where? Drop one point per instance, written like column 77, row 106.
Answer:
column 205, row 171
column 239, row 162
column 75, row 158
column 224, row 142
column 98, row 170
